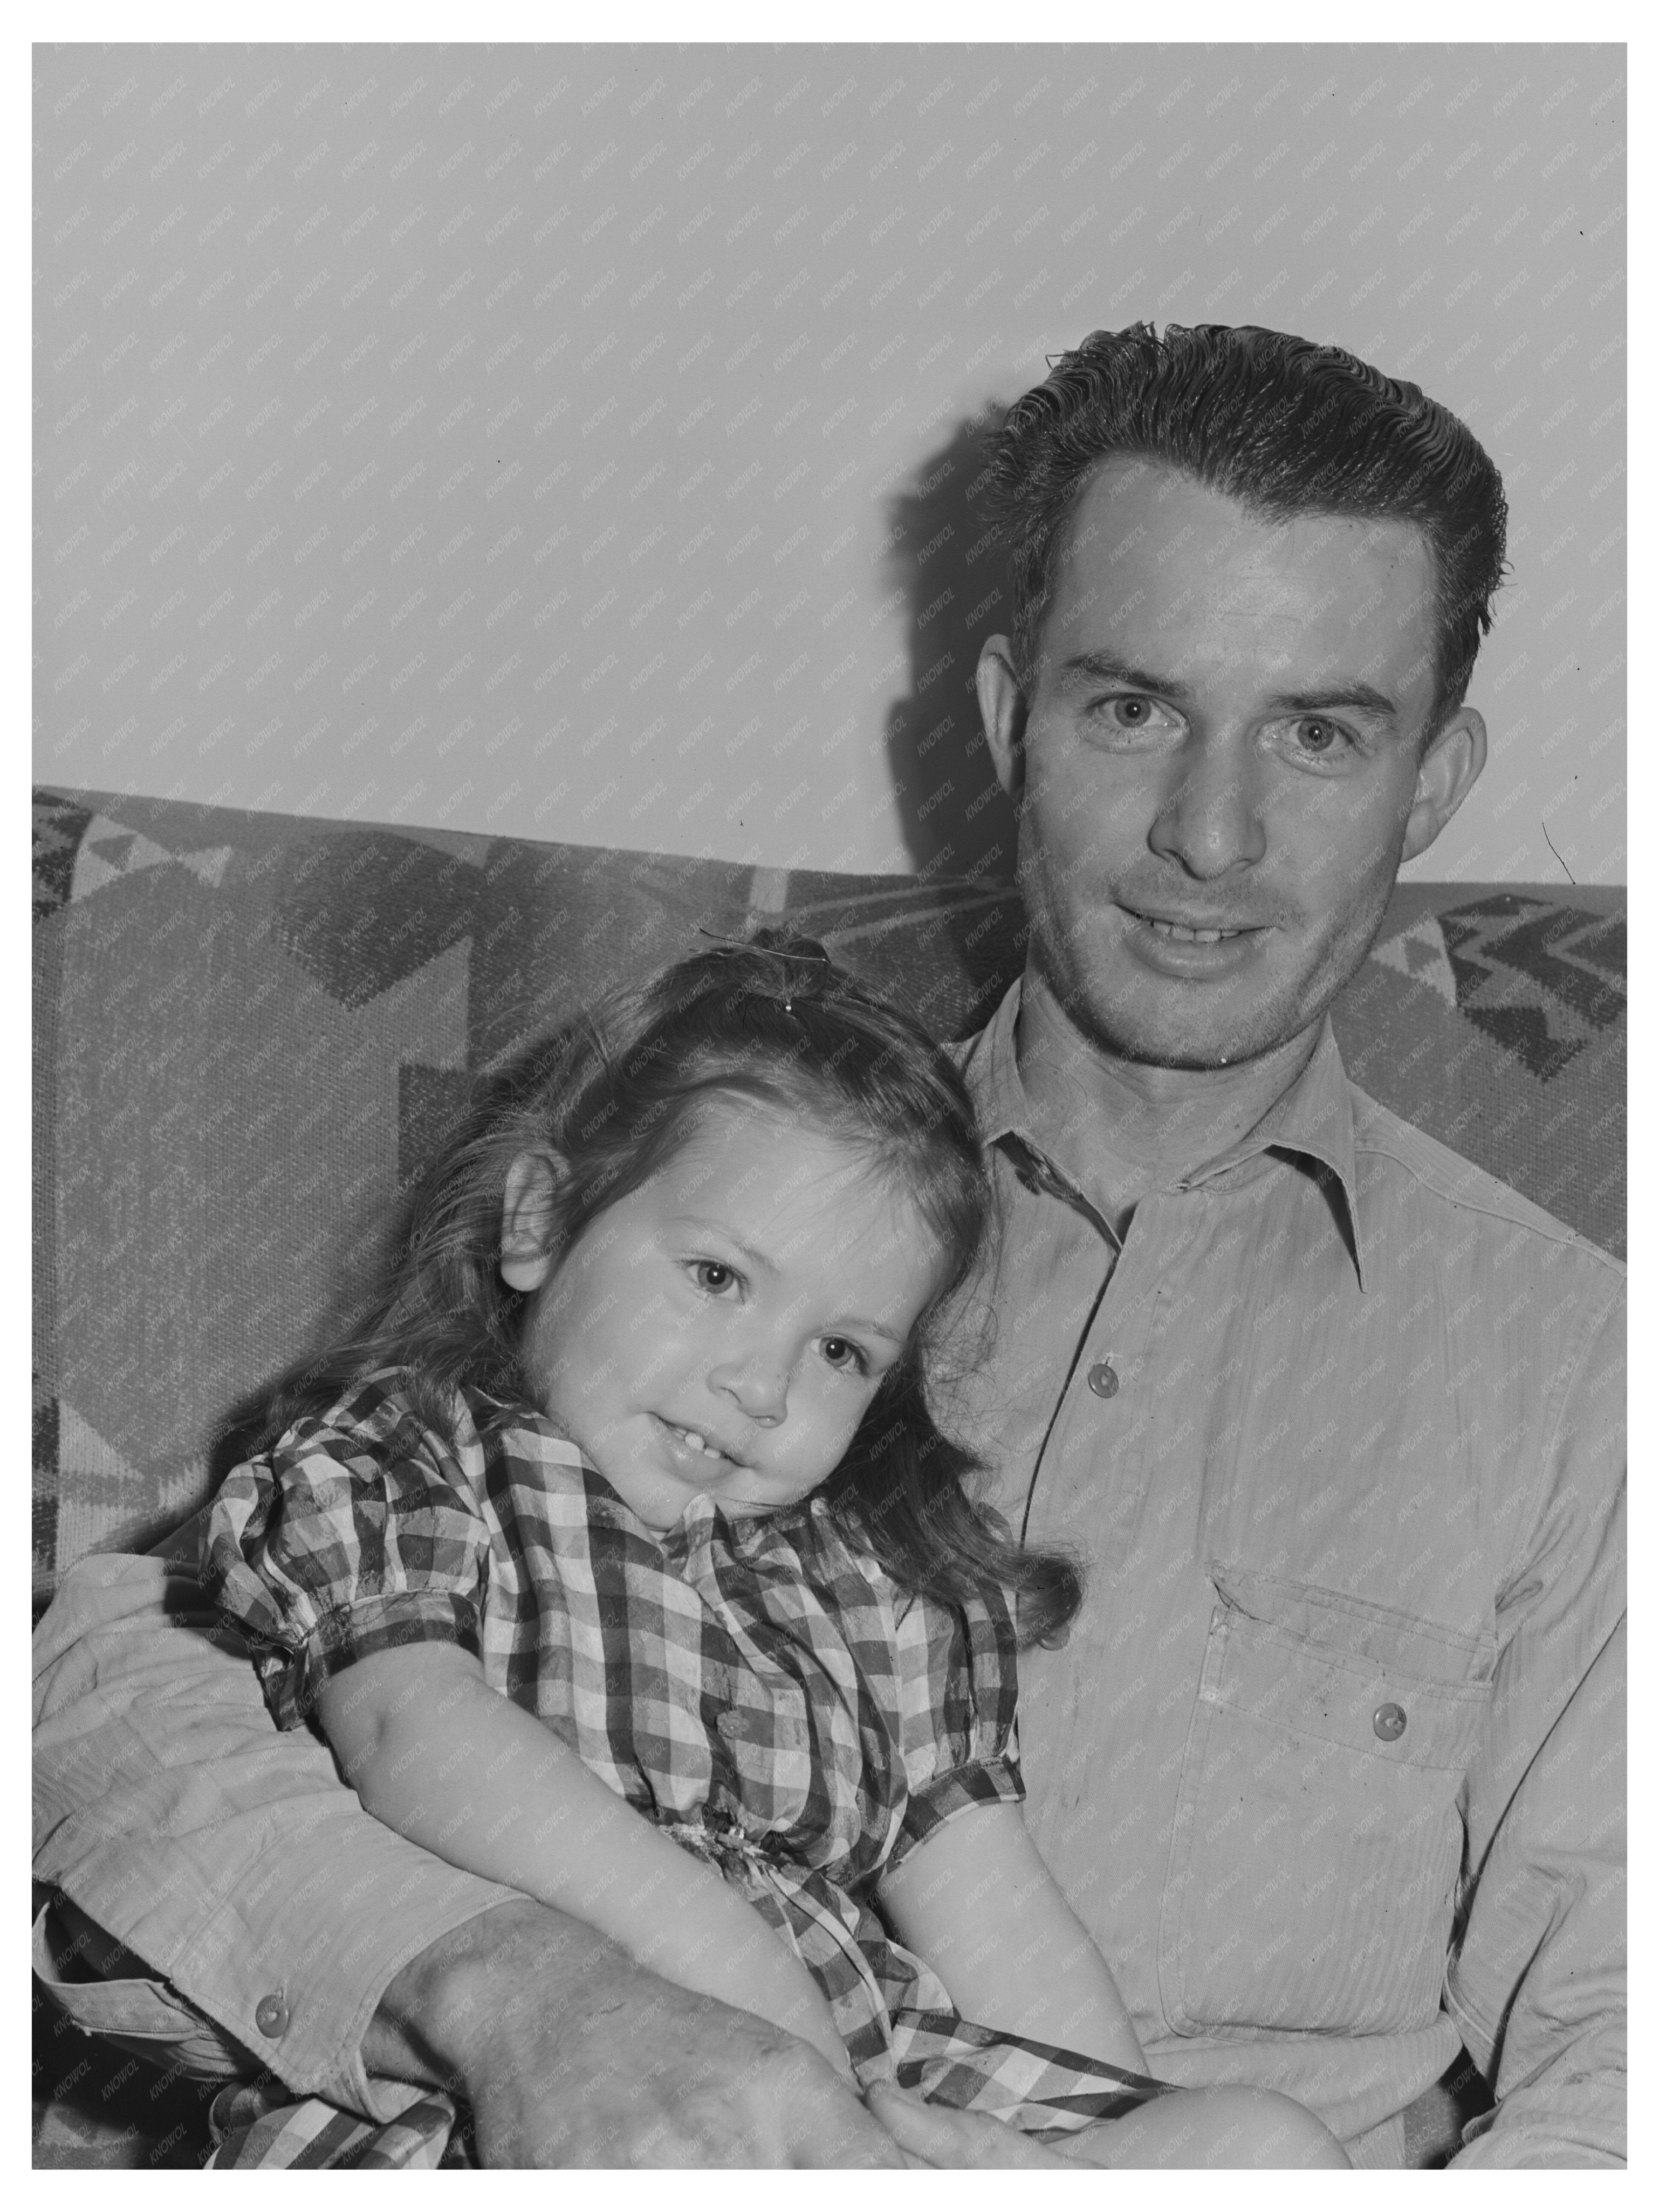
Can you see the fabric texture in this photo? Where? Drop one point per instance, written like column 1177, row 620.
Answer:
column 757, row 1686
column 1328, row 1766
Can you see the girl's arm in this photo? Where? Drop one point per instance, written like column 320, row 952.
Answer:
column 976, row 1902
column 437, row 1754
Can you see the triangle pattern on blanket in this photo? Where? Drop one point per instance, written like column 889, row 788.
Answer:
column 110, row 851
column 1419, row 954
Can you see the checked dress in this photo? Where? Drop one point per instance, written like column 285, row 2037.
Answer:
column 759, row 1686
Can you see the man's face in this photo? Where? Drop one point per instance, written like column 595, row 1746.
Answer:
column 1221, row 767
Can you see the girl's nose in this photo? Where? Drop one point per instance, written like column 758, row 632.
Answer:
column 759, row 1387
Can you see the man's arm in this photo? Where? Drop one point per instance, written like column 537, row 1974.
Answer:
column 1556, row 2057
column 233, row 1860
column 1536, row 1983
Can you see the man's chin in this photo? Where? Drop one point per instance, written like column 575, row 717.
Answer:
column 1194, row 1048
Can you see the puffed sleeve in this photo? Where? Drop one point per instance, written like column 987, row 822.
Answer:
column 359, row 1531
column 958, row 1681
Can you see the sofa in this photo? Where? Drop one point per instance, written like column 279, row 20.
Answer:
column 251, row 1031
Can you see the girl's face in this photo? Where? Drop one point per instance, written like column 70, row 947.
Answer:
column 722, row 1329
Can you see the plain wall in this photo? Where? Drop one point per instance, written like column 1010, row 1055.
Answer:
column 579, row 443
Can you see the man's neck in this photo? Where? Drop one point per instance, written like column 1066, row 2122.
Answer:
column 1121, row 1128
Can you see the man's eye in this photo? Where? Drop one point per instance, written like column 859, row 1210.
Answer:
column 1318, row 737
column 1130, row 712
column 713, row 1275
column 842, row 1354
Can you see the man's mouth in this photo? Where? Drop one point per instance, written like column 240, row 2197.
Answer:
column 1182, row 935
column 1192, row 932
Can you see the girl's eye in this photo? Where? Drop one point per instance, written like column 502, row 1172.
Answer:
column 713, row 1276
column 844, row 1355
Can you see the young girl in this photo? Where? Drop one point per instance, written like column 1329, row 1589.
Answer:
column 628, row 1501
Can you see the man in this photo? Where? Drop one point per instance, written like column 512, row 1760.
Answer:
column 1327, row 1765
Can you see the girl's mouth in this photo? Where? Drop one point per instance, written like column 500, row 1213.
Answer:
column 694, row 1446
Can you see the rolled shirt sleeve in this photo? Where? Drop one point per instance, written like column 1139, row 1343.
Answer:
column 1536, row 1983
column 357, row 1532
column 227, row 1857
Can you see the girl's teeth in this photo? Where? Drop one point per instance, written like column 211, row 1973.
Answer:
column 699, row 1444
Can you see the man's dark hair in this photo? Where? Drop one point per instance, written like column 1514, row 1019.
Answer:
column 1282, row 426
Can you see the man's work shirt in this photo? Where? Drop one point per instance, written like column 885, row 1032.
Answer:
column 1323, row 1765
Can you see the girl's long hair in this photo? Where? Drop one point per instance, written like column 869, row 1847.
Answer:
column 609, row 1099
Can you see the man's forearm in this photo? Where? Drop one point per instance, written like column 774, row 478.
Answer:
column 1538, row 1989
column 230, row 1858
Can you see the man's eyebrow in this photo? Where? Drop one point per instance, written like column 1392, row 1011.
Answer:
column 1366, row 696
column 1106, row 668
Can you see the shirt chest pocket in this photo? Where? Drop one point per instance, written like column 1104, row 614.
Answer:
column 1317, row 1838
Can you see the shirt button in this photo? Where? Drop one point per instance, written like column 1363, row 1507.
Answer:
column 1389, row 1722
column 271, row 2015
column 1102, row 1379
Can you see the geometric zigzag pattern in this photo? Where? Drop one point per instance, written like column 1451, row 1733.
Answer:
column 1540, row 980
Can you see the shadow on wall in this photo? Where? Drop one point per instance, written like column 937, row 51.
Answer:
column 945, row 559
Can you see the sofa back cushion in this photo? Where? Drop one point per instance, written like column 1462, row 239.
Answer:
column 252, row 1031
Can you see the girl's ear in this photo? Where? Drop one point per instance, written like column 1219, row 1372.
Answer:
column 529, row 1221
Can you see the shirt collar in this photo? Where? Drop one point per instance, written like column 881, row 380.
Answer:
column 1310, row 1125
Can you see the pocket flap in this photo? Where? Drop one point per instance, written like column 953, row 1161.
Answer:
column 1322, row 1664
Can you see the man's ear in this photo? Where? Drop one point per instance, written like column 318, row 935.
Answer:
column 1445, row 778
column 1002, row 711
column 530, row 1221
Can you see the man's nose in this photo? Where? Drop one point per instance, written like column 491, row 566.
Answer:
column 757, row 1385
column 1210, row 821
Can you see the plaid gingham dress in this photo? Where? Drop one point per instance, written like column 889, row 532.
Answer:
column 757, row 1686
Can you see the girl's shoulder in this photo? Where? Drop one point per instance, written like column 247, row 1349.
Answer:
column 372, row 1409
column 528, row 1448
column 811, row 1546
column 806, row 1539
column 380, row 1416
column 521, row 1428
column 828, row 1551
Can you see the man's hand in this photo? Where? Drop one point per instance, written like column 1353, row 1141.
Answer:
column 934, row 2135
column 571, row 2055
column 1227, row 2129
